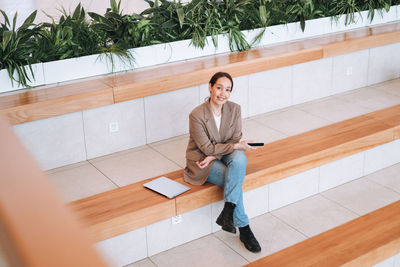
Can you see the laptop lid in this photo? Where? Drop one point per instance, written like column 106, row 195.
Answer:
column 166, row 187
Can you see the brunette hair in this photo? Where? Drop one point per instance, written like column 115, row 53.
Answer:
column 218, row 75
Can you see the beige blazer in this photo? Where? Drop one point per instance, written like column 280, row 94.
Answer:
column 205, row 140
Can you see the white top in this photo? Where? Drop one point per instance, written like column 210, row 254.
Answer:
column 217, row 121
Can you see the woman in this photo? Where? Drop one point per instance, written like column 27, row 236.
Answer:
column 215, row 154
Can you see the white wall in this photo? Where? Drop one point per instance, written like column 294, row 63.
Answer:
column 25, row 7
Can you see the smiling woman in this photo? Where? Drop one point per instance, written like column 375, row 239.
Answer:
column 215, row 154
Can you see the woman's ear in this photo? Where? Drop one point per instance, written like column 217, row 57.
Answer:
column 209, row 87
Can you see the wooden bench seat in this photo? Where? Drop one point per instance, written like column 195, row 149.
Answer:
column 365, row 241
column 37, row 104
column 56, row 100
column 124, row 209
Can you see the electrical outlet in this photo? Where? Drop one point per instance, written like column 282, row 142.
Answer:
column 113, row 127
column 176, row 219
column 349, row 70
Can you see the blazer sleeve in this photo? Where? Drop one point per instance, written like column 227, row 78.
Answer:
column 198, row 132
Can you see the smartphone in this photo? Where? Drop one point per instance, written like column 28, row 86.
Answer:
column 255, row 144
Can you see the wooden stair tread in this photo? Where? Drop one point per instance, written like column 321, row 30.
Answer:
column 194, row 72
column 364, row 241
column 50, row 101
column 273, row 162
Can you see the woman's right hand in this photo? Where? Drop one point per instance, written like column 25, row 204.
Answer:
column 242, row 145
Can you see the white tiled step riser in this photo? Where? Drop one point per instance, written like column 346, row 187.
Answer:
column 164, row 235
column 71, row 138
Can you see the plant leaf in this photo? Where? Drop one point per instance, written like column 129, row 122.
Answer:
column 14, row 21
column 181, row 16
column 6, row 39
column 29, row 20
column 5, row 17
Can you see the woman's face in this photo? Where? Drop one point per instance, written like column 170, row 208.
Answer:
column 221, row 91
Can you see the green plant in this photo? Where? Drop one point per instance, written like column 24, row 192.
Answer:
column 372, row 5
column 303, row 10
column 169, row 17
column 70, row 37
column 115, row 32
column 348, row 8
column 16, row 47
column 232, row 12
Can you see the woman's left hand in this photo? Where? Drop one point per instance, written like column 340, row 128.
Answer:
column 204, row 163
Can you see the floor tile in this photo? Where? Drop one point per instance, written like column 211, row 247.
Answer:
column 391, row 87
column 253, row 130
column 206, row 251
column 174, row 149
column 371, row 98
column 134, row 165
column 79, row 181
column 388, row 177
column 143, row 263
column 272, row 234
column 292, row 121
column 66, row 167
column 362, row 196
column 334, row 109
column 314, row 215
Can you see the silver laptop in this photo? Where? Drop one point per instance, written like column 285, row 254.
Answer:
column 166, row 187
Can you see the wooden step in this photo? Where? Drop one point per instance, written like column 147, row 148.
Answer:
column 38, row 104
column 124, row 209
column 55, row 100
column 365, row 241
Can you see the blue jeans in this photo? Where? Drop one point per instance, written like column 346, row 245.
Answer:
column 229, row 173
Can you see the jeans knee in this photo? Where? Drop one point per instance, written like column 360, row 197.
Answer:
column 238, row 158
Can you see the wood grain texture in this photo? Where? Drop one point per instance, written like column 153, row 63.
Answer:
column 389, row 116
column 199, row 196
column 122, row 210
column 282, row 158
column 364, row 241
column 174, row 76
column 46, row 102
column 349, row 46
column 55, row 101
column 36, row 228
column 131, row 207
column 397, row 132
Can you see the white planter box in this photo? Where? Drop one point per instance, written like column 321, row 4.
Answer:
column 74, row 68
column 94, row 65
column 387, row 17
column 338, row 25
column 5, row 81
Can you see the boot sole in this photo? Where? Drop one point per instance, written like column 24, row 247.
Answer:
column 256, row 250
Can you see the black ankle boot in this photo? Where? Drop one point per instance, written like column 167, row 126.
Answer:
column 248, row 239
column 225, row 219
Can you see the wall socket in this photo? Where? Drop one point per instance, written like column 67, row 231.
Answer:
column 113, row 127
column 176, row 219
column 349, row 70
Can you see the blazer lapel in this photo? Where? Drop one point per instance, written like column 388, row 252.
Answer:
column 226, row 116
column 211, row 126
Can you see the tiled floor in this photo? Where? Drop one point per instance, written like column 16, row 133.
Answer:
column 276, row 230
column 288, row 225
column 119, row 169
